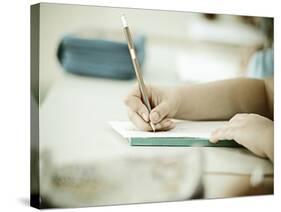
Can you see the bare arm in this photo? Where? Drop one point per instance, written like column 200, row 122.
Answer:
column 221, row 100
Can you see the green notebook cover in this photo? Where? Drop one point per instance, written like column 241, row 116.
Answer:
column 170, row 141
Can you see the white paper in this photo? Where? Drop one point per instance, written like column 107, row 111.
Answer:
column 187, row 129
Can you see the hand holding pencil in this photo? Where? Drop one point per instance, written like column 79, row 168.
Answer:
column 164, row 102
column 136, row 65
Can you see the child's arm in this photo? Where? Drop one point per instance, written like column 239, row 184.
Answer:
column 223, row 99
column 218, row 100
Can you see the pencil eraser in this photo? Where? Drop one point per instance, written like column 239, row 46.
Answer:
column 124, row 21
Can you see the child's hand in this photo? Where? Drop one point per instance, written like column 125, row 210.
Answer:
column 252, row 131
column 164, row 103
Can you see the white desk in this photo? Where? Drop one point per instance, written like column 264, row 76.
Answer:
column 74, row 133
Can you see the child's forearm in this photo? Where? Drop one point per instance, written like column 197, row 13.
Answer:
column 222, row 99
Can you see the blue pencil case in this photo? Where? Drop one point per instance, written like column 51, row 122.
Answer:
column 99, row 57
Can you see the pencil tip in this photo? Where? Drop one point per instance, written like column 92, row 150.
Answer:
column 152, row 126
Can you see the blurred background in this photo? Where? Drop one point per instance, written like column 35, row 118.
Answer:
column 180, row 46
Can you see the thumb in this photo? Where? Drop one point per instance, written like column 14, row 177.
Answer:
column 159, row 112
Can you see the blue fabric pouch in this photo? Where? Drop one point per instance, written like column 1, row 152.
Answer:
column 98, row 57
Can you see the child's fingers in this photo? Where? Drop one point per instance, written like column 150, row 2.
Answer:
column 214, row 136
column 138, row 121
column 165, row 125
column 135, row 104
column 159, row 112
column 225, row 133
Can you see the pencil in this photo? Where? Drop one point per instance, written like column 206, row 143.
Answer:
column 136, row 66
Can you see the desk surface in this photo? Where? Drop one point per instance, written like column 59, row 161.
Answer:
column 74, row 130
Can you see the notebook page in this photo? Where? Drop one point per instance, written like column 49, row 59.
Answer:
column 192, row 129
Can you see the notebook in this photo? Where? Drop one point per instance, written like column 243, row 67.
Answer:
column 185, row 133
